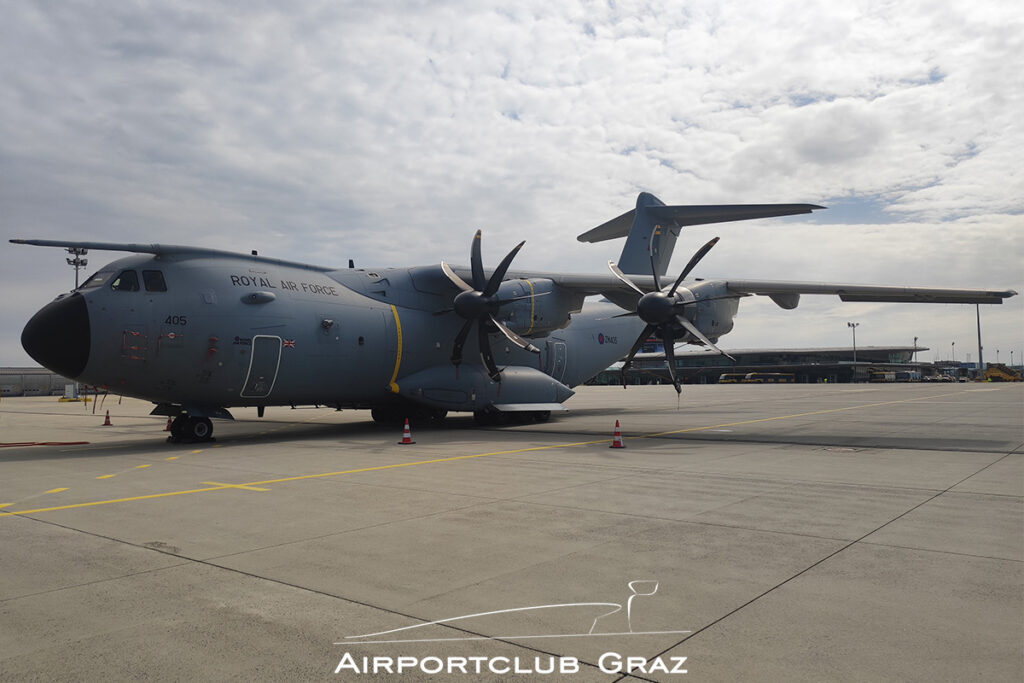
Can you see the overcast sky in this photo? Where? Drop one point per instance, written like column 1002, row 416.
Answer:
column 389, row 132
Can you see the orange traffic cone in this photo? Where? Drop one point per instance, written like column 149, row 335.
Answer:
column 168, row 427
column 106, row 422
column 406, row 435
column 617, row 439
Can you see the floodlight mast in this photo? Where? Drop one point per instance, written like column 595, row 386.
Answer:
column 78, row 262
column 853, row 326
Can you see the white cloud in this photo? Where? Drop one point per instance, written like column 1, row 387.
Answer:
column 389, row 132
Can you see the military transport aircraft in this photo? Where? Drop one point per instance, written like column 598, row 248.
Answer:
column 197, row 331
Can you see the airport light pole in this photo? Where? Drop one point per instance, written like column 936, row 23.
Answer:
column 981, row 363
column 78, row 262
column 853, row 326
column 952, row 352
column 915, row 349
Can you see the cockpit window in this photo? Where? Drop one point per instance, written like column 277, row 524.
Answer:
column 154, row 280
column 97, row 279
column 127, row 281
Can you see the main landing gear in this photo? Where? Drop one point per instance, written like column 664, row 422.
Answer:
column 493, row 417
column 187, row 429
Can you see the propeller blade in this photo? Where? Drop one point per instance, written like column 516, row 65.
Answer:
column 460, row 339
column 654, row 272
column 701, row 253
column 692, row 329
column 499, row 273
column 485, row 353
column 683, row 304
column 621, row 315
column 636, row 347
column 670, row 355
column 513, row 337
column 456, row 280
column 622, row 276
column 520, row 298
column 477, row 264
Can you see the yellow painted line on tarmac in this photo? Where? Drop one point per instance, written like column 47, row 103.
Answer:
column 5, row 505
column 453, row 458
column 142, row 467
column 257, row 485
column 56, row 490
column 198, row 451
column 75, row 506
column 173, row 457
column 106, row 476
column 790, row 417
column 247, row 487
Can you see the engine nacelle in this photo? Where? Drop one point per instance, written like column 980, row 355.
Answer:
column 712, row 315
column 541, row 308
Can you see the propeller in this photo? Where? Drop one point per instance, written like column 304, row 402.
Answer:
column 662, row 310
column 479, row 303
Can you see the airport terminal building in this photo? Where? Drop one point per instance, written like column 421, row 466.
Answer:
column 836, row 364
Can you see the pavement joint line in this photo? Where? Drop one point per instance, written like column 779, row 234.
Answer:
column 457, row 458
column 826, row 558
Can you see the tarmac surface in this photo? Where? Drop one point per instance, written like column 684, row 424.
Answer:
column 769, row 533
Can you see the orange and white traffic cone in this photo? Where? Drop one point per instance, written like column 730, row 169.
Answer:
column 406, row 435
column 168, row 427
column 106, row 422
column 617, row 438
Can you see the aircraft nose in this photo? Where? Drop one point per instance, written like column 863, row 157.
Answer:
column 57, row 337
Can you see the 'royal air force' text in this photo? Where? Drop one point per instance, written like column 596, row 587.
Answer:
column 287, row 285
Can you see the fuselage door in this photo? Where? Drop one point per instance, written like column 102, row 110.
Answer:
column 556, row 358
column 263, row 365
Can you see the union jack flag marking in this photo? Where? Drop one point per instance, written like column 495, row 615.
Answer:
column 289, row 343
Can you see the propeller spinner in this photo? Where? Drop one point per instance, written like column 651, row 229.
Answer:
column 479, row 304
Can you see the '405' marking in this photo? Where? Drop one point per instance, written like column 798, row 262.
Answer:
column 176, row 320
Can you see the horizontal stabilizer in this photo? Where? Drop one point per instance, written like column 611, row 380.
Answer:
column 695, row 215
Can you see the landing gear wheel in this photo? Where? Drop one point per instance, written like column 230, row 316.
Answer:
column 199, row 429
column 490, row 417
column 178, row 428
column 385, row 416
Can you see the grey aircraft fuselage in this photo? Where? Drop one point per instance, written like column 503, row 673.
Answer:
column 244, row 332
column 197, row 331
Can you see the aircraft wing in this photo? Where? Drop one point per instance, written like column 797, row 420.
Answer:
column 596, row 283
column 165, row 250
column 927, row 295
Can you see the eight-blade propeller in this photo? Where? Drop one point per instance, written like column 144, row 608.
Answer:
column 479, row 304
column 663, row 313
